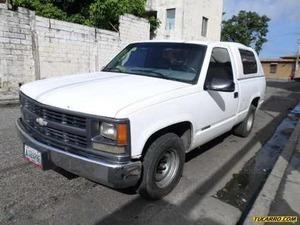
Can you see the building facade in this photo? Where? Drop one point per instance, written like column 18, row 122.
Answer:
column 188, row 20
column 284, row 68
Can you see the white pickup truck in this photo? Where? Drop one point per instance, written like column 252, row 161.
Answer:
column 131, row 124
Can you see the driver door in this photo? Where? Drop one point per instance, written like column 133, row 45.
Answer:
column 220, row 106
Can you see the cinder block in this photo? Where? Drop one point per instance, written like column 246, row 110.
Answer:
column 5, row 52
column 3, row 6
column 13, row 19
column 14, row 35
column 4, row 40
column 44, row 23
column 26, row 42
column 23, row 10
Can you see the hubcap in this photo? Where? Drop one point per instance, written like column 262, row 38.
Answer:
column 250, row 122
column 166, row 168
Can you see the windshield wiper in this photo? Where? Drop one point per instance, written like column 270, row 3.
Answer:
column 115, row 69
column 151, row 71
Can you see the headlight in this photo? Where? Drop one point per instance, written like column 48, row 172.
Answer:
column 116, row 135
column 108, row 130
column 116, row 132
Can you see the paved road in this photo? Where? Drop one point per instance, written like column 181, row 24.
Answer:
column 30, row 196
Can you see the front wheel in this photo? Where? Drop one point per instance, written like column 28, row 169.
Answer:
column 162, row 166
column 244, row 128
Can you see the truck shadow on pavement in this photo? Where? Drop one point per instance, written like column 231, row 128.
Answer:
column 288, row 86
column 140, row 211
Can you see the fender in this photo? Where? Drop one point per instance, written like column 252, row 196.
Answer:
column 141, row 139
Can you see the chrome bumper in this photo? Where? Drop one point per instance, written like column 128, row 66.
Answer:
column 111, row 174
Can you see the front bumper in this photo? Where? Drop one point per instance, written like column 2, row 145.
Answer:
column 116, row 175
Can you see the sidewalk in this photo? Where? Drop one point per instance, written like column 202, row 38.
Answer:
column 280, row 195
column 287, row 200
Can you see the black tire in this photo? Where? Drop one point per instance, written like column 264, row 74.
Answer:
column 244, row 128
column 162, row 166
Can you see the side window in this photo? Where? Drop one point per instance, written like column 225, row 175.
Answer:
column 220, row 65
column 248, row 61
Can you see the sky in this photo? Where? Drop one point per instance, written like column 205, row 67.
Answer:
column 284, row 27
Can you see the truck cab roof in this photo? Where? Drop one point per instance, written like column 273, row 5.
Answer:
column 220, row 43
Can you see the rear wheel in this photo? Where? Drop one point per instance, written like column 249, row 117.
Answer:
column 162, row 166
column 244, row 128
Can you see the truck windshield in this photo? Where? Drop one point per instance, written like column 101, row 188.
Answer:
column 172, row 61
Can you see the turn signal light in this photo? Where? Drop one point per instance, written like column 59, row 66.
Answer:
column 122, row 134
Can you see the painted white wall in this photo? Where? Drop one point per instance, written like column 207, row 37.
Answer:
column 34, row 47
column 188, row 20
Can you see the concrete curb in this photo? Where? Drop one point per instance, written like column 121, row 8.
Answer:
column 9, row 98
column 9, row 102
column 262, row 204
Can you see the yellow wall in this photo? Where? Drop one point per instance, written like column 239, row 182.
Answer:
column 284, row 70
column 297, row 73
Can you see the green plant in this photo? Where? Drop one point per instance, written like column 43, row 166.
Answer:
column 154, row 23
column 247, row 28
column 98, row 13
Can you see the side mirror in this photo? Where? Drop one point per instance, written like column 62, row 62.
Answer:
column 219, row 84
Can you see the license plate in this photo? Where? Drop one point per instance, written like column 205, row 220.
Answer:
column 33, row 155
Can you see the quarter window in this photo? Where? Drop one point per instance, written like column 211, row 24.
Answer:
column 219, row 65
column 248, row 61
column 171, row 19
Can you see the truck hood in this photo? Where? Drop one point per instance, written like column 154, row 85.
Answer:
column 102, row 93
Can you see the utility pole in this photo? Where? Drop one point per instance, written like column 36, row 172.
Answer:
column 298, row 55
column 297, row 69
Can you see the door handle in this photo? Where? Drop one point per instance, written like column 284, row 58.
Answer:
column 236, row 94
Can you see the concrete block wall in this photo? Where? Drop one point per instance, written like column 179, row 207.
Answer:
column 133, row 29
column 16, row 58
column 64, row 48
column 34, row 47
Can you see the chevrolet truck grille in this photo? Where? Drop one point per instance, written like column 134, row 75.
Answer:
column 59, row 128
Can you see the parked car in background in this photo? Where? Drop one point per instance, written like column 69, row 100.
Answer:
column 132, row 123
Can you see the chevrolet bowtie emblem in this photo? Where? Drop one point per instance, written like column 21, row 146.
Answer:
column 41, row 121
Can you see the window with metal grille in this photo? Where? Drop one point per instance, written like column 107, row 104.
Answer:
column 273, row 68
column 170, row 25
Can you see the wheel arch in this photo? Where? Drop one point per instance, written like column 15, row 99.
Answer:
column 183, row 129
column 255, row 101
